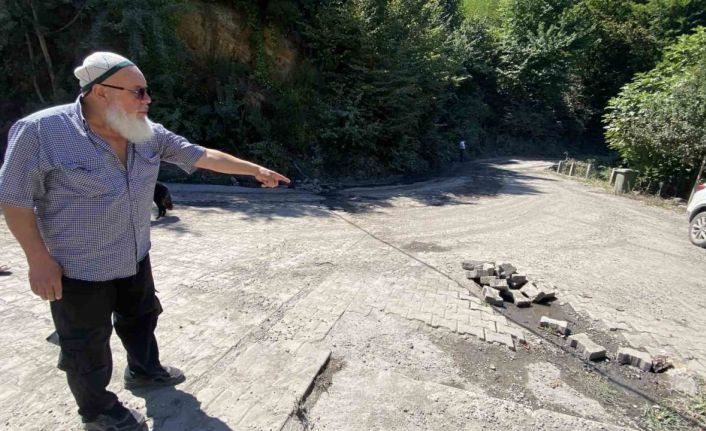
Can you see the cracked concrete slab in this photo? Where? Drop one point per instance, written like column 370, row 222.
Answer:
column 362, row 398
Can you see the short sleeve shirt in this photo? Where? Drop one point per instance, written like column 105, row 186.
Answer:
column 92, row 211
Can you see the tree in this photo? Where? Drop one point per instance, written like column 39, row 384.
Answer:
column 658, row 121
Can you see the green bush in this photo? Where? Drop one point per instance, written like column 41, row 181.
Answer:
column 658, row 121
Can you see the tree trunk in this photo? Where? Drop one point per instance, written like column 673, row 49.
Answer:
column 43, row 46
column 34, row 75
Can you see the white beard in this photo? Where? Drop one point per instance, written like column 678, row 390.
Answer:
column 134, row 129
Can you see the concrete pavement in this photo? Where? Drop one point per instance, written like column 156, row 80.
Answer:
column 261, row 290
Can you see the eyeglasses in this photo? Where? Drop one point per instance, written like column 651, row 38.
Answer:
column 140, row 93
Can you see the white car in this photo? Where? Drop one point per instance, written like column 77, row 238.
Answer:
column 696, row 211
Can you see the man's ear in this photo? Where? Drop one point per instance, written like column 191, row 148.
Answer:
column 100, row 94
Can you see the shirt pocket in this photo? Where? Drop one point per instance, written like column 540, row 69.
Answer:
column 86, row 177
column 145, row 171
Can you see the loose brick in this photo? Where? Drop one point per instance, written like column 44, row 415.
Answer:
column 519, row 299
column 496, row 337
column 492, row 297
column 488, row 266
column 471, row 264
column 538, row 292
column 515, row 281
column 485, row 280
column 560, row 326
column 499, row 284
column 548, row 292
column 530, row 291
column 636, row 358
column 473, row 274
column 515, row 333
column 588, row 349
column 505, row 270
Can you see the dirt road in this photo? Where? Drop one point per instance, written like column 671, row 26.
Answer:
column 266, row 290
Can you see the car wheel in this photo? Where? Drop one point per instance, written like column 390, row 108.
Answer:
column 697, row 229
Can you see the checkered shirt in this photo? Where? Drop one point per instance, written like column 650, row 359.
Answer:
column 92, row 212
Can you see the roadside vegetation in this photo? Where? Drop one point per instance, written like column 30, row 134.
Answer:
column 371, row 88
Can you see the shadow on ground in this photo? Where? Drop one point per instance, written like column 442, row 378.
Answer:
column 172, row 409
column 462, row 184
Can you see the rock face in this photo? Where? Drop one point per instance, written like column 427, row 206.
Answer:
column 217, row 31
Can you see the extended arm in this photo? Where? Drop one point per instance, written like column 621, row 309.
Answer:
column 44, row 272
column 219, row 161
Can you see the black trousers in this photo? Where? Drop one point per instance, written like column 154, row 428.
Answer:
column 82, row 318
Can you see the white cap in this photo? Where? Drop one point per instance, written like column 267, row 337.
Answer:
column 97, row 67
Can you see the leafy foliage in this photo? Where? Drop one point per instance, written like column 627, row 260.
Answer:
column 657, row 121
column 379, row 87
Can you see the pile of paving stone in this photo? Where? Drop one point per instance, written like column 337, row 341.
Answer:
column 594, row 352
column 502, row 283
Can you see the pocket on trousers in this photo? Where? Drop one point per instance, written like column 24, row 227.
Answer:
column 77, row 355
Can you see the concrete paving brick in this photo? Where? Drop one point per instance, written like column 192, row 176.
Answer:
column 499, row 284
column 469, row 314
column 491, row 296
column 560, row 326
column 486, row 280
column 514, row 332
column 588, row 349
column 471, row 264
column 484, row 324
column 473, row 274
column 480, row 307
column 452, row 305
column 505, row 270
column 516, row 281
column 467, row 297
column 437, row 321
column 464, row 328
column 433, row 308
column 636, row 358
column 493, row 317
column 448, row 293
column 495, row 337
column 457, row 316
column 531, row 291
column 421, row 316
column 519, row 299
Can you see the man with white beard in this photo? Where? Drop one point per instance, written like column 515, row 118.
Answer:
column 76, row 189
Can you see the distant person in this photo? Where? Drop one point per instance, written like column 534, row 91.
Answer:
column 77, row 188
column 462, row 151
